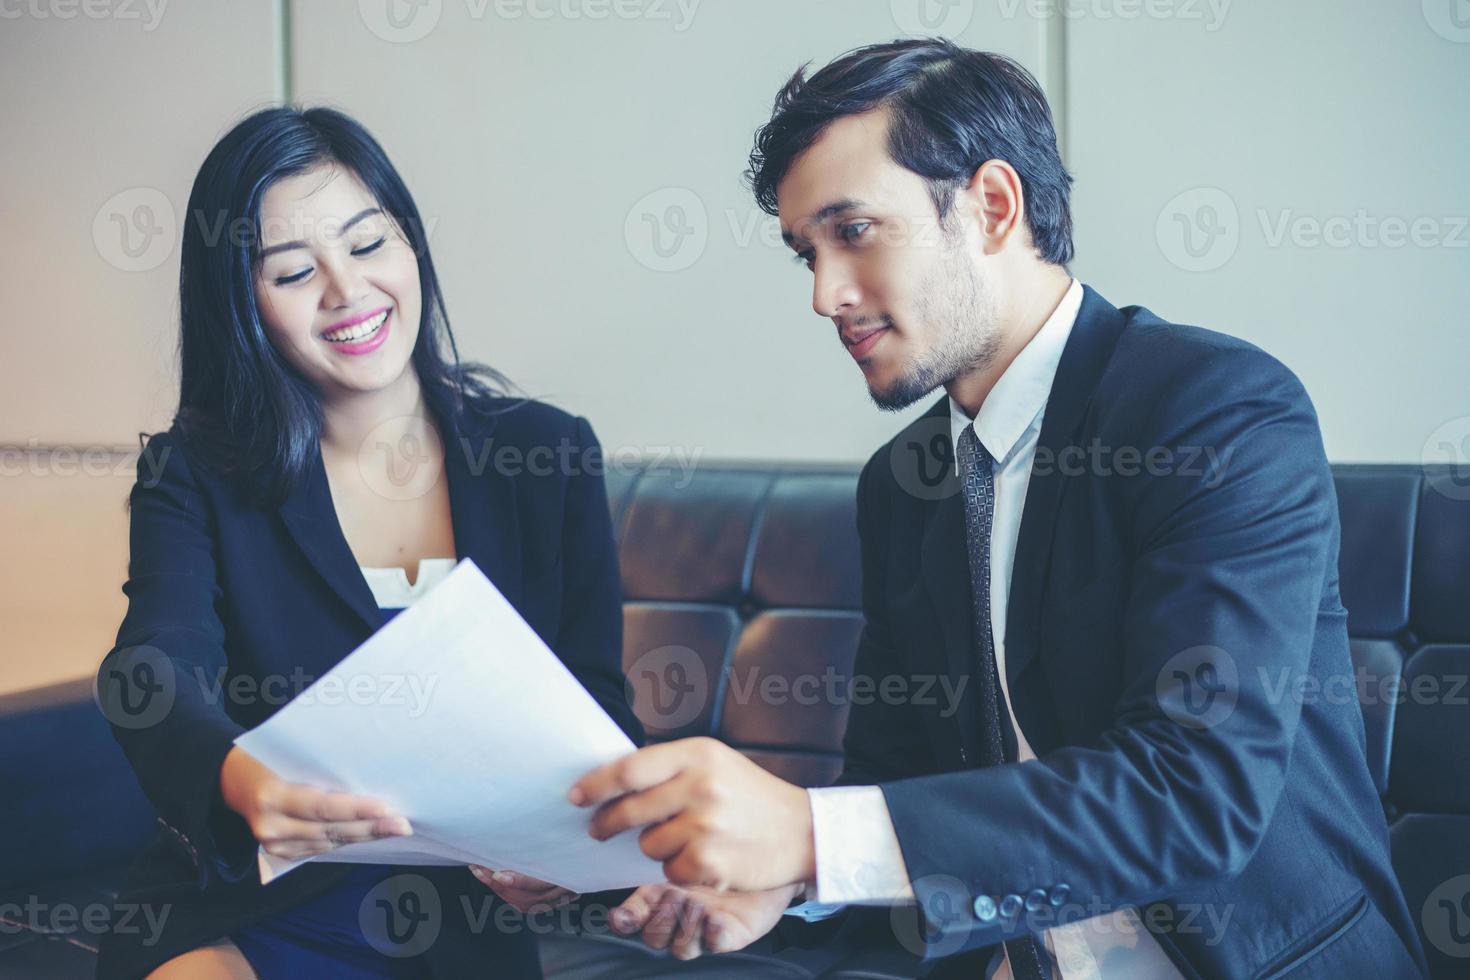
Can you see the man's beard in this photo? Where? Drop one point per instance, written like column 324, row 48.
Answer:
column 955, row 301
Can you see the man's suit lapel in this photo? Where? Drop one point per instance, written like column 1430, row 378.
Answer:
column 928, row 448
column 1088, row 349
column 944, row 558
column 482, row 508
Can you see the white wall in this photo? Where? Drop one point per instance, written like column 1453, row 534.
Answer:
column 536, row 145
column 1347, row 120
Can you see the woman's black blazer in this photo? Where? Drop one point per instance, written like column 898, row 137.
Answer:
column 233, row 607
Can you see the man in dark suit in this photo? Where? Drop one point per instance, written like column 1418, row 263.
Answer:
column 1117, row 536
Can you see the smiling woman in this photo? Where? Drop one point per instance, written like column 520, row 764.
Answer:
column 331, row 237
column 365, row 261
column 322, row 474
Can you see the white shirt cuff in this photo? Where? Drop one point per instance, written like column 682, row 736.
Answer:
column 859, row 861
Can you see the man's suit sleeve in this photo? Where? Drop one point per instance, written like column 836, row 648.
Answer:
column 159, row 685
column 1226, row 577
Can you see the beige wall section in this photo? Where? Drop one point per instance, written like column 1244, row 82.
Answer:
column 105, row 121
column 548, row 150
column 1297, row 145
column 65, row 528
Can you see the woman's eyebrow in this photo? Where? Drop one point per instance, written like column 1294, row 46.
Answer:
column 287, row 246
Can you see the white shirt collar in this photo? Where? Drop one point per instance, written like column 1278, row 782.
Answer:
column 1020, row 395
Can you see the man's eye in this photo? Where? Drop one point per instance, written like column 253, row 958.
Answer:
column 804, row 258
column 297, row 277
column 852, row 232
column 370, row 248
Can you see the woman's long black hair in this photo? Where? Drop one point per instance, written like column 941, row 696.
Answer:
column 244, row 409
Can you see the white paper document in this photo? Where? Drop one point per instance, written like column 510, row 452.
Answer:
column 458, row 716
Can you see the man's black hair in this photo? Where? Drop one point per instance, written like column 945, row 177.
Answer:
column 951, row 110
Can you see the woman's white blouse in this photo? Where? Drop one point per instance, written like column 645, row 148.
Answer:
column 390, row 585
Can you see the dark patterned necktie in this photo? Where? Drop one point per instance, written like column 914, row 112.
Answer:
column 1025, row 954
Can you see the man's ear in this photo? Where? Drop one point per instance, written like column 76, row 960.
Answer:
column 996, row 202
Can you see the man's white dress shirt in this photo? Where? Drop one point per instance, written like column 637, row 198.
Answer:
column 859, row 861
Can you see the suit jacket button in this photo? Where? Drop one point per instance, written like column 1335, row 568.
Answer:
column 1035, row 900
column 984, row 908
column 1010, row 906
column 1059, row 895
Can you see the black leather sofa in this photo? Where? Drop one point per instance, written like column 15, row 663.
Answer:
column 745, row 573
